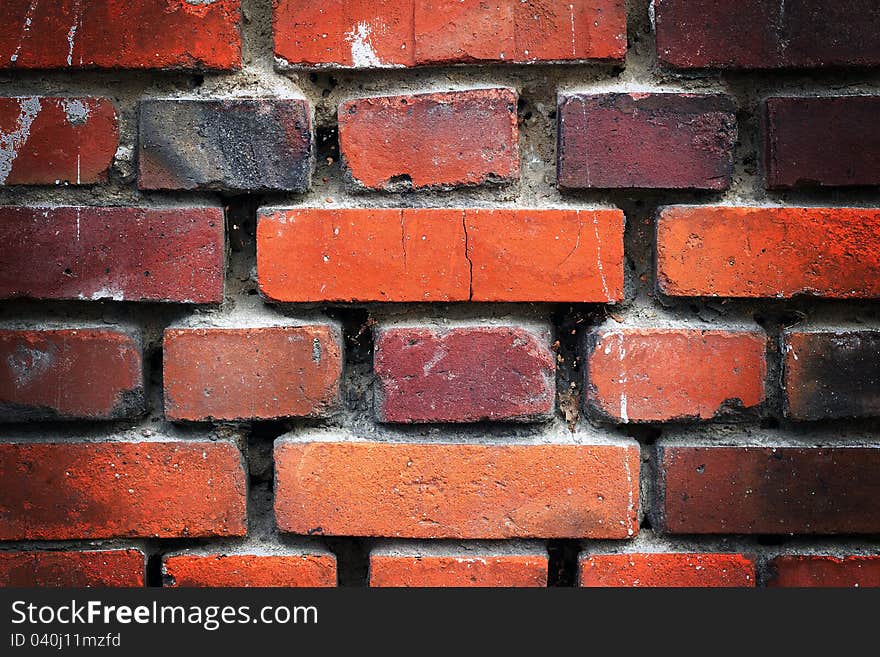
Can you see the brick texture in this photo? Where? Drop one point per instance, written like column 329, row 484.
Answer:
column 822, row 142
column 666, row 570
column 825, row 571
column 662, row 375
column 472, row 570
column 831, row 374
column 251, row 373
column 49, row 140
column 769, row 252
column 769, row 490
column 96, row 568
column 342, row 33
column 643, row 140
column 163, row 489
column 70, row 374
column 451, row 490
column 463, row 374
column 123, row 254
column 430, row 140
column 250, row 570
column 152, row 34
column 384, row 254
column 767, row 35
column 241, row 145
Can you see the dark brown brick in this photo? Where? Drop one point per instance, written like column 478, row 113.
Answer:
column 822, row 142
column 641, row 140
column 832, row 374
column 765, row 34
column 769, row 490
column 244, row 145
column 98, row 568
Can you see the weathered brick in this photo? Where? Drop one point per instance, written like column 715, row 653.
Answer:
column 761, row 34
column 661, row 375
column 249, row 570
column 260, row 372
column 155, row 34
column 74, row 373
column 645, row 140
column 47, row 140
column 822, row 142
column 825, row 571
column 444, row 565
column 831, row 374
column 430, row 140
column 384, row 254
column 124, row 254
column 463, row 374
column 155, row 488
column 99, row 568
column 346, row 33
column 666, row 570
column 769, row 490
column 769, row 252
column 449, row 490
column 241, row 145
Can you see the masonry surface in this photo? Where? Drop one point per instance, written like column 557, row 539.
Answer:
column 520, row 293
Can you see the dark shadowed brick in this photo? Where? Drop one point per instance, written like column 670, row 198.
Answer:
column 247, row 145
column 822, row 142
column 99, row 568
column 769, row 490
column 825, row 571
column 832, row 374
column 767, row 34
column 674, row 141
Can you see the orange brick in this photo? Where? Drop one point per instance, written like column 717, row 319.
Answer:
column 441, row 490
column 666, row 570
column 659, row 375
column 101, row 568
column 769, row 252
column 247, row 570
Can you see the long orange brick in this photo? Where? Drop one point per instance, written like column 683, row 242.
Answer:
column 155, row 488
column 419, row 254
column 154, row 34
column 439, row 140
column 453, row 490
column 660, row 375
column 825, row 571
column 666, row 570
column 392, row 33
column 248, row 570
column 72, row 568
column 769, row 252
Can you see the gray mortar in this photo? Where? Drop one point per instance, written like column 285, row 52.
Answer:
column 538, row 86
column 463, row 549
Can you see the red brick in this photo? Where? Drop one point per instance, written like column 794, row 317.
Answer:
column 666, row 570
column 70, row 373
column 231, row 144
column 769, row 252
column 384, row 254
column 100, row 568
column 431, row 140
column 645, row 140
column 767, row 35
column 130, row 254
column 822, row 142
column 443, row 490
column 156, row 34
column 85, row 490
column 831, row 374
column 463, row 374
column 248, row 570
column 825, row 571
column 260, row 373
column 56, row 140
column 354, row 33
column 770, row 490
column 661, row 375
column 446, row 567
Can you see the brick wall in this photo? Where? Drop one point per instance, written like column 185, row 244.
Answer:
column 516, row 293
